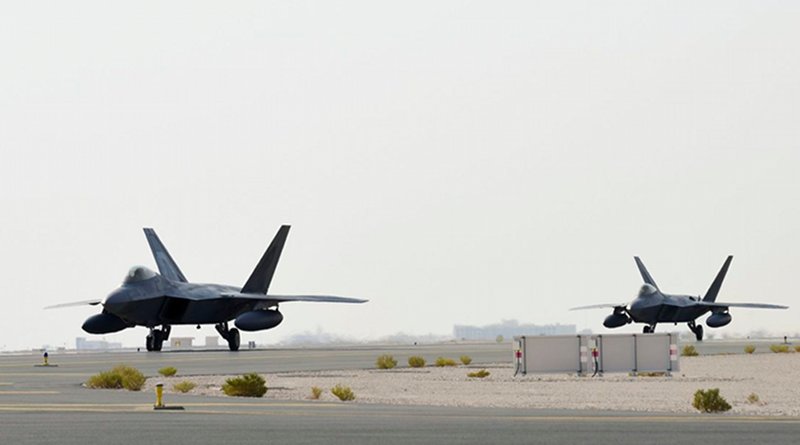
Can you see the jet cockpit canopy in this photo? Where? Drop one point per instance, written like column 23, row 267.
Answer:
column 646, row 290
column 138, row 273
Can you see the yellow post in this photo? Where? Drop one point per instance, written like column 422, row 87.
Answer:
column 159, row 395
column 160, row 400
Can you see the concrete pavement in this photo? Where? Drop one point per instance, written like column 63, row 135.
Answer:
column 49, row 405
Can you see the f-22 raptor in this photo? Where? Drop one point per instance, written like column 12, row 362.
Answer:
column 652, row 306
column 149, row 299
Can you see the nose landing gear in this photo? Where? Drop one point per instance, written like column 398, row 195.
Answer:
column 155, row 340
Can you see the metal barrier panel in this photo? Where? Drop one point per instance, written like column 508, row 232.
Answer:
column 652, row 352
column 674, row 357
column 617, row 352
column 559, row 353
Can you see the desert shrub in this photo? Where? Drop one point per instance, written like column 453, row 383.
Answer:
column 385, row 361
column 416, row 361
column 779, row 348
column 753, row 398
column 132, row 378
column 689, row 351
column 105, row 380
column 651, row 374
column 441, row 361
column 168, row 371
column 709, row 401
column 316, row 392
column 465, row 359
column 184, row 386
column 121, row 376
column 797, row 348
column 499, row 339
column 248, row 385
column 479, row 374
column 344, row 393
column 749, row 349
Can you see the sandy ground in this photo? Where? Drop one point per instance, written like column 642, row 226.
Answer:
column 775, row 378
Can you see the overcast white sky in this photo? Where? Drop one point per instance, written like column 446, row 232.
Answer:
column 452, row 161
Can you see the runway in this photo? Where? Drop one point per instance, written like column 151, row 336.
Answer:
column 48, row 405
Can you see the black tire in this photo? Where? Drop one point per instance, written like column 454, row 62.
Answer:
column 158, row 340
column 233, row 339
column 148, row 342
column 646, row 330
column 698, row 333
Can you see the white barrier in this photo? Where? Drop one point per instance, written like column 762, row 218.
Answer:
column 596, row 354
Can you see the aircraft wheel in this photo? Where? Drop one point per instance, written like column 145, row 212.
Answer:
column 158, row 340
column 233, row 339
column 646, row 330
column 698, row 333
column 148, row 342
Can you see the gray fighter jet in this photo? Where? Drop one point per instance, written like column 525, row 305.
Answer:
column 150, row 299
column 652, row 306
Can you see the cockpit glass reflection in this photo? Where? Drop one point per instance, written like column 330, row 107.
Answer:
column 138, row 273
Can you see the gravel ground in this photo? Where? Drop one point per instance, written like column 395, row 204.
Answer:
column 775, row 378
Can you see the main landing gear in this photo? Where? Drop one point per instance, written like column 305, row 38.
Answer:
column 155, row 340
column 649, row 329
column 230, row 335
column 697, row 329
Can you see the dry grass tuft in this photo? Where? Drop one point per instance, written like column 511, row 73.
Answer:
column 479, row 374
column 385, row 361
column 442, row 361
column 184, row 386
column 709, row 401
column 248, row 385
column 344, row 393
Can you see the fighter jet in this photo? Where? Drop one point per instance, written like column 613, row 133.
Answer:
column 652, row 306
column 149, row 299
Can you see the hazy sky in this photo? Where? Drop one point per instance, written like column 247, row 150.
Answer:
column 453, row 162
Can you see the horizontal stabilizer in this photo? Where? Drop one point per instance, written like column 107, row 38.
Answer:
column 285, row 298
column 747, row 305
column 599, row 306
column 76, row 303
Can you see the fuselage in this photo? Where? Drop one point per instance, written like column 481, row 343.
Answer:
column 144, row 299
column 652, row 306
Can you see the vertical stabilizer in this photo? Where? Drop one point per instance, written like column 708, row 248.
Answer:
column 166, row 265
column 645, row 274
column 711, row 295
column 259, row 280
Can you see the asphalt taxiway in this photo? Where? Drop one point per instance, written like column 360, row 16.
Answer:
column 49, row 405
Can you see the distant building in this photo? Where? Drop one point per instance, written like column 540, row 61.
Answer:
column 181, row 342
column 510, row 328
column 82, row 344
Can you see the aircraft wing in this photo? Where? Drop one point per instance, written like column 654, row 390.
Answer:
column 598, row 306
column 76, row 303
column 749, row 305
column 285, row 298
